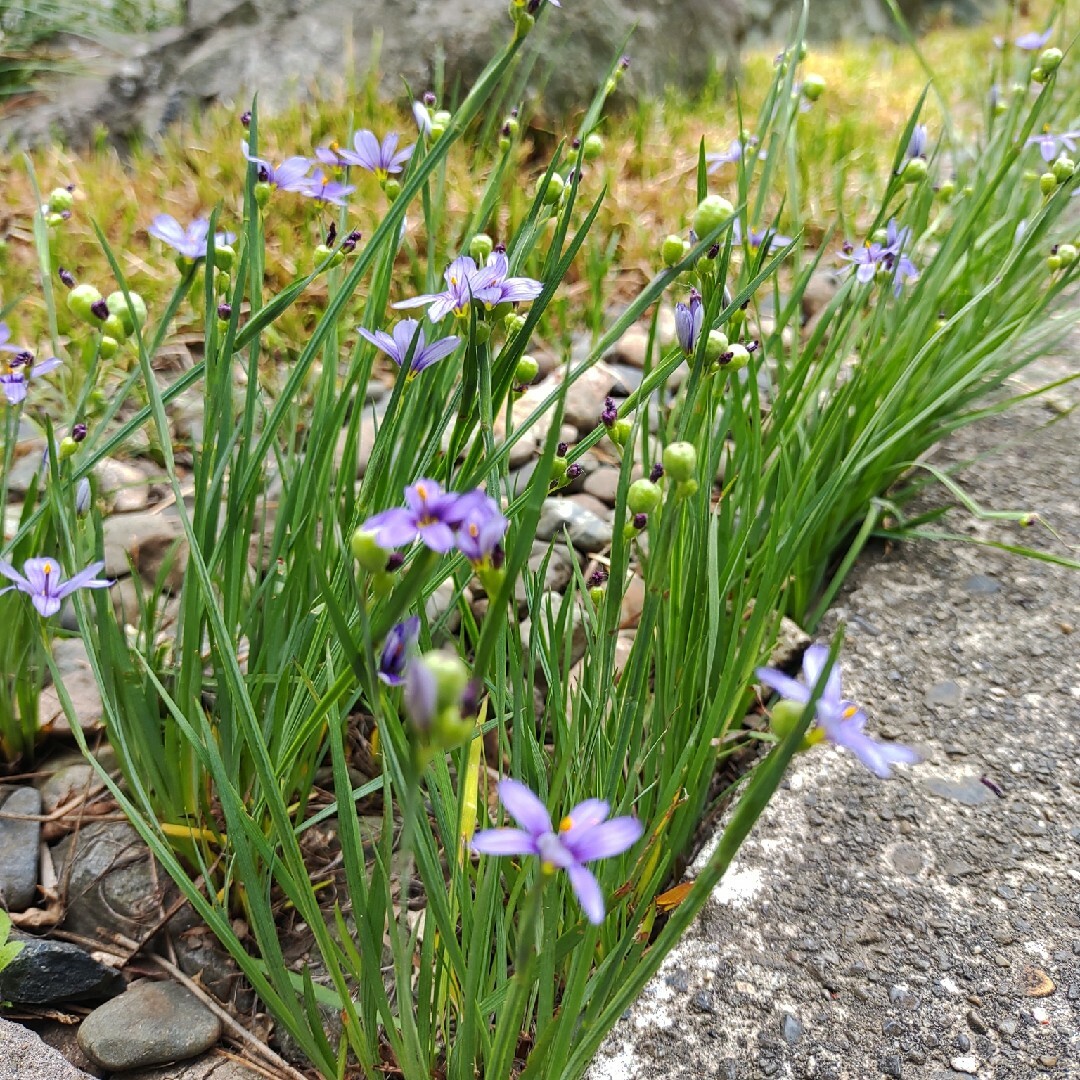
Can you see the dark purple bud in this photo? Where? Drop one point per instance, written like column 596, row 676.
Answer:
column 506, row 131
column 21, row 359
column 224, row 311
column 576, row 144
column 331, row 235
column 561, row 449
column 847, row 247
column 725, row 358
column 624, row 62
column 263, row 173
column 350, row 241
column 1054, row 250
column 640, row 521
column 78, row 432
column 469, row 704
column 943, row 315
column 597, row 578
column 100, row 310
column 610, row 413
column 514, row 112
column 532, row 7
column 245, row 118
column 394, row 561
column 499, row 249
column 572, row 176
column 429, row 99
column 713, row 251
column 65, row 214
column 656, row 472
column 744, row 305
column 67, row 277
column 573, row 471
column 753, row 346
column 498, row 557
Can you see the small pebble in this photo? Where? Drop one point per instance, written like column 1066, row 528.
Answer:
column 968, row 1064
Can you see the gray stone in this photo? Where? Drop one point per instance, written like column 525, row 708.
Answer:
column 68, row 783
column 23, row 1056
column 980, row 585
column 603, row 484
column 154, row 543
column 587, row 531
column 19, row 839
column 946, row 694
column 210, row 1066
column 49, row 972
column 112, row 883
column 153, row 1022
column 791, row 1029
column 124, row 486
column 970, row 791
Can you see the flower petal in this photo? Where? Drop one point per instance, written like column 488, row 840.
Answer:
column 504, row 842
column 813, row 664
column 587, row 890
column 604, row 840
column 525, row 808
column 784, row 685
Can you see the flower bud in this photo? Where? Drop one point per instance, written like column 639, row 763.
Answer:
column 593, row 148
column 711, row 213
column 784, row 718
column 1048, row 183
column 60, row 201
column 1067, row 253
column 504, row 143
column 108, row 347
column 1063, row 169
column 813, row 86
column 596, row 594
column 550, row 189
column 513, row 323
column 643, row 497
column 914, row 171
column 392, row 188
column 946, row 189
column 1053, row 262
column 480, row 248
column 716, row 344
column 738, row 356
column 80, row 301
column 450, row 674
column 114, row 327
column 680, row 461
column 365, row 549
column 671, row 251
column 82, row 496
column 511, row 125
column 527, row 369
column 1050, row 60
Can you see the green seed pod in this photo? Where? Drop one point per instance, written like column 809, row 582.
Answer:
column 644, row 496
column 451, row 677
column 596, row 594
column 108, row 347
column 716, row 344
column 504, row 143
column 1053, row 263
column 813, row 86
column 527, row 369
column 60, row 200
column 914, row 172
column 81, row 299
column 114, row 327
column 440, row 121
column 947, row 189
column 136, row 313
column 671, row 251
column 801, row 50
column 1063, row 169
column 480, row 248
column 513, row 323
column 550, row 189
column 740, row 357
column 1050, row 60
column 619, row 432
column 392, row 188
column 1048, row 183
column 367, row 552
column 711, row 213
column 785, row 715
column 224, row 257
column 68, row 447
column 593, row 147
column 262, row 193
column 482, row 333
column 322, row 252
column 1067, row 253
column 1039, row 75
column 680, row 461
column 685, row 488
column 511, row 125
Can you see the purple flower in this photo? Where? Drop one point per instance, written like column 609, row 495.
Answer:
column 396, row 651
column 190, row 241
column 917, row 144
column 421, row 693
column 886, row 258
column 16, row 373
column 1052, row 145
column 481, row 526
column 398, row 346
column 290, row 175
column 1031, row 41
column 432, row 515
column 510, row 289
column 463, row 285
column 734, row 153
column 758, row 237
column 320, row 187
column 43, row 581
column 380, row 158
column 689, row 321
column 839, row 720
column 583, row 836
column 422, row 117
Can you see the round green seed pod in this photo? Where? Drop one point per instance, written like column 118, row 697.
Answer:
column 60, row 200
column 1067, row 253
column 550, row 189
column 711, row 213
column 480, row 248
column 671, row 251
column 108, row 347
column 593, row 147
column 81, row 299
column 644, row 496
column 1050, row 60
column 1048, row 183
column 740, row 357
column 813, row 86
column 1063, row 169
column 527, row 369
column 914, row 171
column 114, row 327
column 367, row 552
column 680, row 461
column 716, row 344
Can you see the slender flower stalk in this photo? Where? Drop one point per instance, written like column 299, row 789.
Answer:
column 838, row 720
column 408, row 336
column 582, row 837
column 43, row 581
column 189, row 240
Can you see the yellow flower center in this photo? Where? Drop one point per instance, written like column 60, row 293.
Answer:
column 474, row 532
column 849, row 712
column 47, row 568
column 566, row 824
column 422, row 492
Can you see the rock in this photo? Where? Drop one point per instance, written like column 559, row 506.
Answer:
column 603, row 484
column 633, row 347
column 980, row 585
column 153, row 1022
column 19, row 839
column 25, row 1057
column 586, row 530
column 791, row 1029
column 585, row 398
column 64, row 1038
column 559, row 571
column 791, row 642
column 24, row 472
column 74, row 666
column 633, row 602
column 968, row 1064
column 550, row 604
column 209, row 1067
column 944, row 694
column 124, row 486
column 112, row 883
column 52, row 972
column 970, row 791
column 152, row 540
